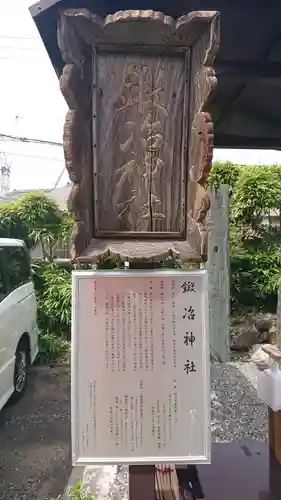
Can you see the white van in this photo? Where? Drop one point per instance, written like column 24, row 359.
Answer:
column 18, row 319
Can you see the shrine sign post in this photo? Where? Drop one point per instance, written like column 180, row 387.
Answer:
column 138, row 142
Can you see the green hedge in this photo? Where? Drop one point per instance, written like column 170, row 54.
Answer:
column 53, row 291
column 254, row 278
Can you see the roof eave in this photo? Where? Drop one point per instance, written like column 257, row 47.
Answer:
column 44, row 14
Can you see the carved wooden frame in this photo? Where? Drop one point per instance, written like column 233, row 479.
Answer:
column 78, row 31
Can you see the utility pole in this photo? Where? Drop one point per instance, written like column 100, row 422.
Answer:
column 5, row 173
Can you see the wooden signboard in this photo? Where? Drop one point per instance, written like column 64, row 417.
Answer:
column 141, row 158
column 138, row 143
column 138, row 138
column 140, row 368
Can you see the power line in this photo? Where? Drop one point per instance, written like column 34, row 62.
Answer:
column 17, row 138
column 46, row 158
column 19, row 37
column 5, row 172
column 15, row 57
column 13, row 47
column 59, row 178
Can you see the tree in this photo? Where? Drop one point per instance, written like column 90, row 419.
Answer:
column 224, row 173
column 37, row 220
column 257, row 193
column 254, row 247
column 11, row 225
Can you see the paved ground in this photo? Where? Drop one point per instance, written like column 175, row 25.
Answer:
column 35, row 462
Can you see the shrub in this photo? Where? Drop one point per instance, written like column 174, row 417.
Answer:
column 53, row 290
column 76, row 492
column 224, row 173
column 257, row 193
column 255, row 277
column 254, row 248
column 11, row 225
column 37, row 220
column 51, row 348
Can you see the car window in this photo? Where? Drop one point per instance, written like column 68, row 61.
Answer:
column 18, row 266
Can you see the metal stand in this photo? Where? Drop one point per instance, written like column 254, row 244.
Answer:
column 189, row 483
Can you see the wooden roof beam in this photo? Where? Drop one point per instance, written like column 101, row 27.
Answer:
column 253, row 112
column 241, row 87
column 229, row 141
column 248, row 69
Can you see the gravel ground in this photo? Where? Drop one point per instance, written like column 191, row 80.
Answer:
column 236, row 411
column 35, row 461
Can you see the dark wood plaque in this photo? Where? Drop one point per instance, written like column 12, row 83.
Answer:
column 140, row 161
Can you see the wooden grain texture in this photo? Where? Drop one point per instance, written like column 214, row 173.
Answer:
column 137, row 250
column 140, row 102
column 139, row 27
column 274, row 431
column 75, row 85
column 166, row 483
column 142, row 482
column 201, row 141
column 149, row 187
column 72, row 47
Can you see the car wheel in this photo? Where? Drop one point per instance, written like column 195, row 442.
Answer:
column 21, row 370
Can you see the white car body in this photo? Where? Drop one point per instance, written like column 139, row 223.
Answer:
column 18, row 311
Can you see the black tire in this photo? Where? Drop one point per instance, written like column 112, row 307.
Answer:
column 21, row 370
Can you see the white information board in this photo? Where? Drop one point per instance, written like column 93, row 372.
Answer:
column 140, row 367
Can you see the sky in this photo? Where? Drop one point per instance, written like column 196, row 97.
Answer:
column 31, row 105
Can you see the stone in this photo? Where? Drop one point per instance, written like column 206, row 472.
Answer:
column 256, row 328
column 243, row 337
column 109, row 482
column 97, row 481
column 264, row 323
column 259, row 358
